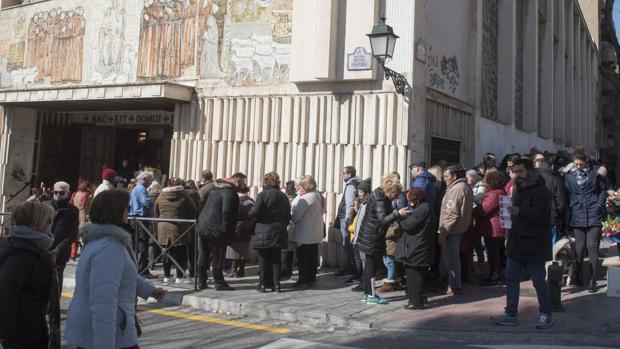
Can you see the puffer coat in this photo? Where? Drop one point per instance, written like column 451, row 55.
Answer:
column 377, row 218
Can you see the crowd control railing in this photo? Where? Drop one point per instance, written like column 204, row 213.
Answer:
column 149, row 226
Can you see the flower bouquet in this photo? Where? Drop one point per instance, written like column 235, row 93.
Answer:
column 611, row 229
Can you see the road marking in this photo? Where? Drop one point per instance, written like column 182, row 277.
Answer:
column 288, row 343
column 535, row 346
column 206, row 319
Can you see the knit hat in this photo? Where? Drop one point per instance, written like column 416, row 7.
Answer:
column 108, row 174
column 365, row 186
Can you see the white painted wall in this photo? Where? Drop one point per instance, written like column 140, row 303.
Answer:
column 448, row 32
column 502, row 139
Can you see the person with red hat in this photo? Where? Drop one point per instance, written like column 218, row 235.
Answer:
column 108, row 177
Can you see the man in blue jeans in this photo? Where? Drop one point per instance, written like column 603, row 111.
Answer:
column 345, row 213
column 528, row 244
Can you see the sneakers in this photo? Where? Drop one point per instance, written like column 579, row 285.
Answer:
column 504, row 320
column 375, row 300
column 364, row 297
column 544, row 321
column 350, row 280
column 185, row 281
column 166, row 281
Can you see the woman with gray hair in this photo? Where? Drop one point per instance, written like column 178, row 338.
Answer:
column 307, row 213
column 26, row 276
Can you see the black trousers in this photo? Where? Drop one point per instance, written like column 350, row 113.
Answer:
column 60, row 272
column 179, row 253
column 496, row 251
column 142, row 252
column 215, row 253
column 589, row 238
column 370, row 270
column 415, row 284
column 307, row 262
column 269, row 264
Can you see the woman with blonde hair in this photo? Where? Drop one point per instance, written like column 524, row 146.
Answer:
column 27, row 278
column 378, row 217
column 272, row 212
column 307, row 213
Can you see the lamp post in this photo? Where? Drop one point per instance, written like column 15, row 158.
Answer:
column 382, row 42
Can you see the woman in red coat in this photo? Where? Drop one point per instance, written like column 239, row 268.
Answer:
column 487, row 216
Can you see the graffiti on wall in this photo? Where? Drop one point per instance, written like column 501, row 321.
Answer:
column 55, row 46
column 261, row 54
column 443, row 73
column 112, row 54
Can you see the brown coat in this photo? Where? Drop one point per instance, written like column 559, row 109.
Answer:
column 391, row 239
column 173, row 202
column 456, row 208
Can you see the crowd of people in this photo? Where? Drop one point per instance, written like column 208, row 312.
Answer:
column 427, row 238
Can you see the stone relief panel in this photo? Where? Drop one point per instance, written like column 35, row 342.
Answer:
column 489, row 59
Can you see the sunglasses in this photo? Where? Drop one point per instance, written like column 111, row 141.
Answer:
column 59, row 193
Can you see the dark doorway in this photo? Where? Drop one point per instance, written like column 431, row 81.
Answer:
column 78, row 152
column 445, row 149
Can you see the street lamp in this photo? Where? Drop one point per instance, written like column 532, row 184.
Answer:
column 382, row 42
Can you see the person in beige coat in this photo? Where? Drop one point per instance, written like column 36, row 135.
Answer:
column 454, row 220
column 307, row 213
column 175, row 202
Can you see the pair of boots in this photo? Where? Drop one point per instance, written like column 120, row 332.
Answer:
column 237, row 269
column 388, row 286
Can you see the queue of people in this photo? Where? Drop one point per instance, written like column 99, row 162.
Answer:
column 418, row 236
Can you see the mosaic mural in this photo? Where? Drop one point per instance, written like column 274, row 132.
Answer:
column 55, row 46
column 241, row 42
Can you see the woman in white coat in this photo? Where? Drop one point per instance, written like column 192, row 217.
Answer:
column 102, row 313
column 307, row 213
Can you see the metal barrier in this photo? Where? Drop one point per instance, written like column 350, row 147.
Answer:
column 6, row 223
column 139, row 224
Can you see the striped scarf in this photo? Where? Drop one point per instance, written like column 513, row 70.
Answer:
column 581, row 176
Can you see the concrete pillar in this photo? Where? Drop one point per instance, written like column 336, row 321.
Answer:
column 559, row 66
column 506, row 53
column 547, row 81
column 569, row 111
column 530, row 65
column 417, row 141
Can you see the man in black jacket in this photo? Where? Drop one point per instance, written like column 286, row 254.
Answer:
column 215, row 227
column 528, row 242
column 64, row 228
column 554, row 183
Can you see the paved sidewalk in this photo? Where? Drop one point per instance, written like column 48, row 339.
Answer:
column 331, row 303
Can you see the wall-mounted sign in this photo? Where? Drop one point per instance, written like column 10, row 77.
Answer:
column 360, row 59
column 123, row 118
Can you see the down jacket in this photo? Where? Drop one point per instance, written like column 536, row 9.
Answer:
column 587, row 202
column 377, row 218
column 307, row 219
column 102, row 312
column 529, row 239
column 218, row 219
column 25, row 287
column 416, row 245
column 272, row 212
column 487, row 214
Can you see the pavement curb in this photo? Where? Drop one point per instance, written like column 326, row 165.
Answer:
column 274, row 311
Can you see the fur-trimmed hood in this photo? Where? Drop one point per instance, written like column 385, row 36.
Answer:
column 92, row 232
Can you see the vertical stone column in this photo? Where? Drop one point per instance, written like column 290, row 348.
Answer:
column 559, row 66
column 506, row 53
column 530, row 64
column 570, row 111
column 415, row 106
column 547, row 92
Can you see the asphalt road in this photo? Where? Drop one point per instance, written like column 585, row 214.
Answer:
column 180, row 327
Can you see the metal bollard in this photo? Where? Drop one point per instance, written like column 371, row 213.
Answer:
column 554, row 283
